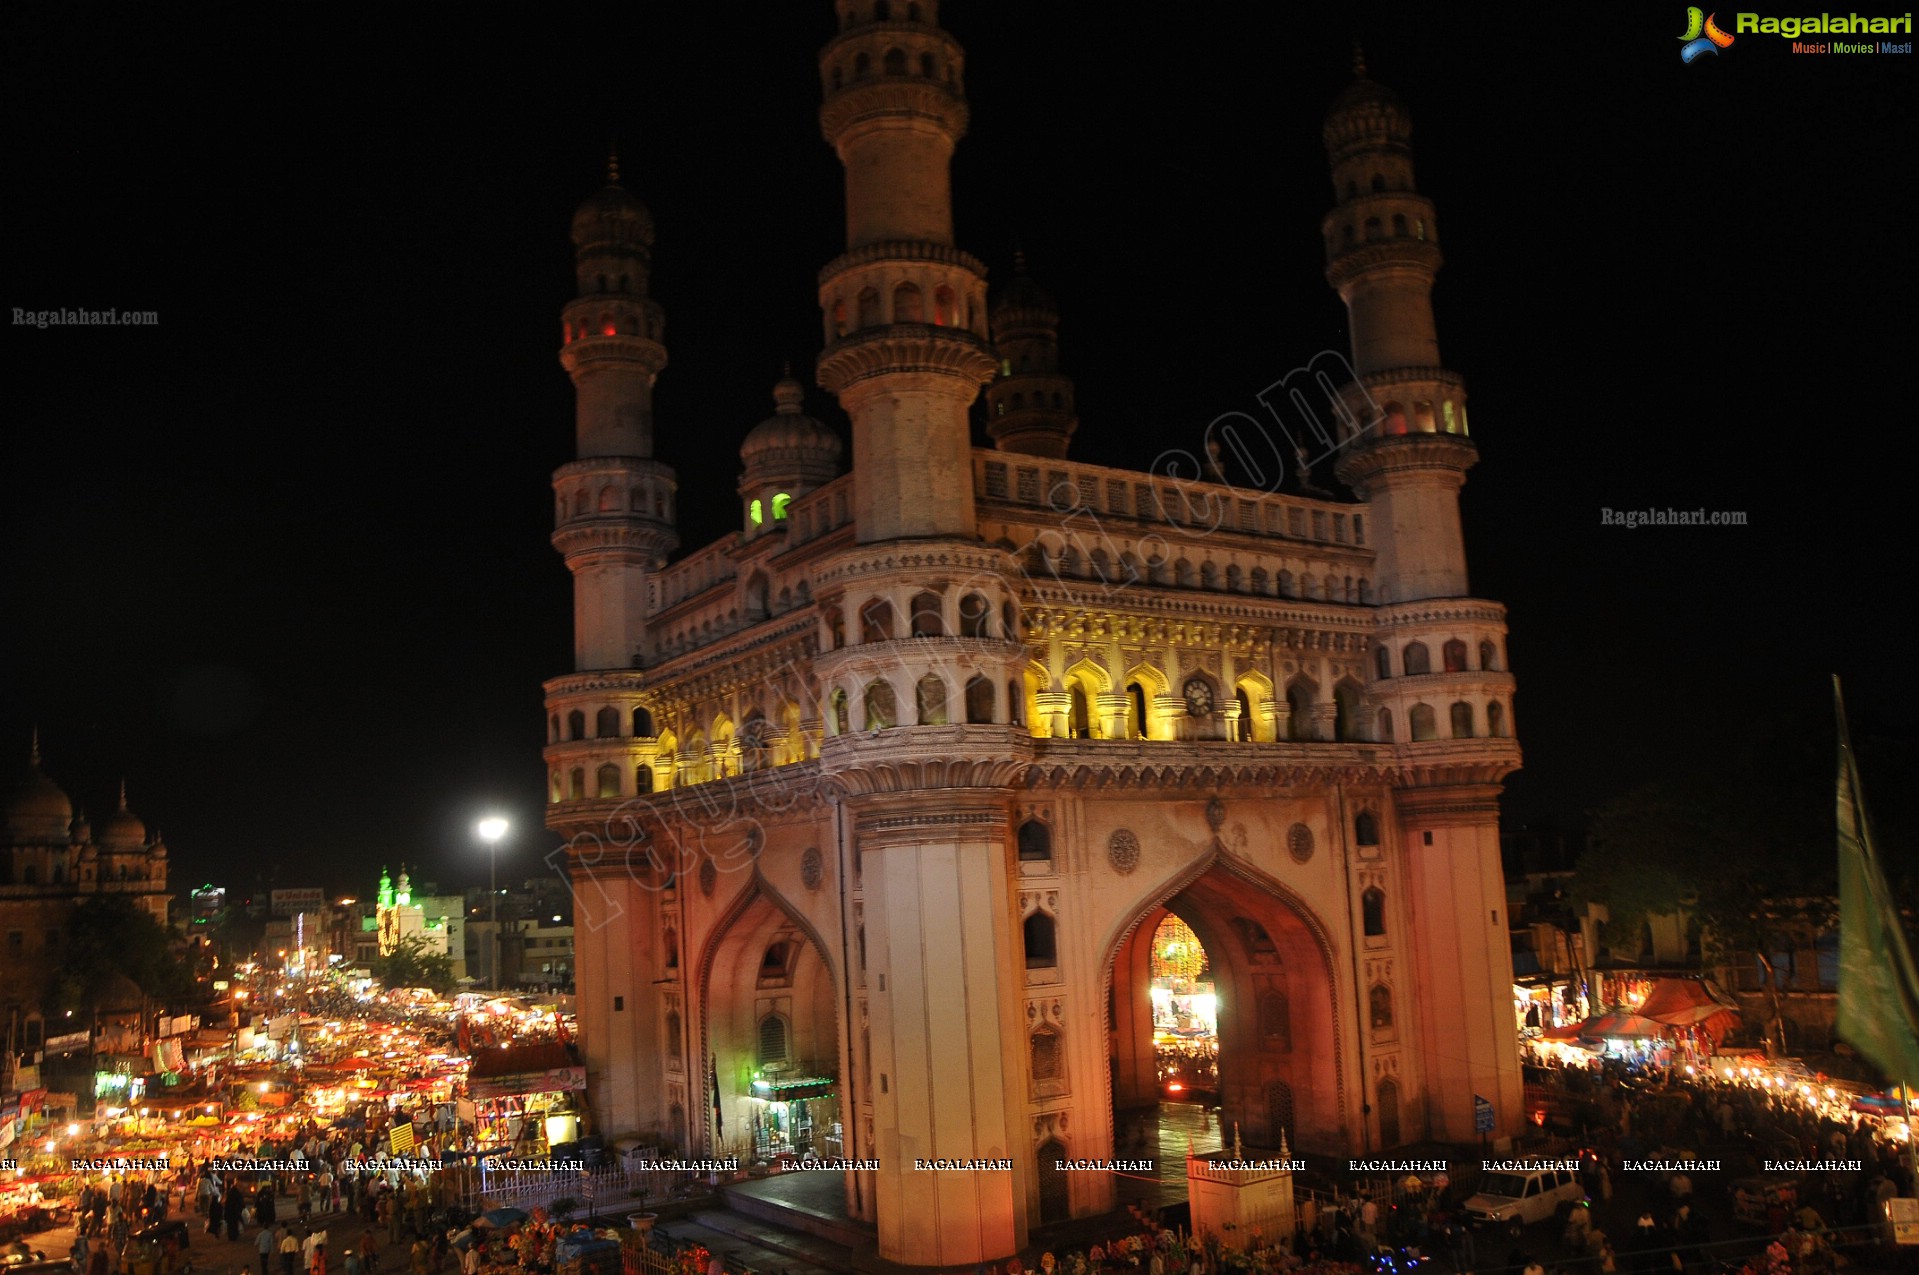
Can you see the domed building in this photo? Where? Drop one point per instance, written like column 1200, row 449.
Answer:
column 53, row 858
column 956, row 803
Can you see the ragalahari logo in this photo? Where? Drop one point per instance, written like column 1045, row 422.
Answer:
column 1702, row 36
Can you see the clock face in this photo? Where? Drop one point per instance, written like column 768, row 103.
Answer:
column 1199, row 696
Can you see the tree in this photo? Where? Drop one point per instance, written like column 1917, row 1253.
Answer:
column 413, row 963
column 109, row 935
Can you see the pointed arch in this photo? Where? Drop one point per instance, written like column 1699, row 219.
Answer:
column 1258, row 690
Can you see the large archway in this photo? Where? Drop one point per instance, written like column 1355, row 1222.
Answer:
column 769, row 1002
column 1272, row 1065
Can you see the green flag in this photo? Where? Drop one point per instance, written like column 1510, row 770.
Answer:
column 1878, row 984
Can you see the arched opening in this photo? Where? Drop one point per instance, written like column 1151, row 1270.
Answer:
column 908, row 305
column 642, row 723
column 881, row 708
column 876, row 621
column 942, row 295
column 894, row 62
column 606, row 723
column 553, row 729
column 576, row 784
column 1079, row 715
column 925, row 615
column 756, row 744
column 1243, row 728
column 1346, row 719
column 1218, row 995
column 770, row 1005
column 1136, row 719
column 1462, row 715
column 1372, row 910
column 1453, row 654
column 1055, row 1188
column 1016, row 702
column 1039, row 939
column 1382, row 663
column 1048, row 1058
column 1384, row 726
column 869, row 299
column 642, row 780
column 1365, row 828
column 576, row 724
column 1424, row 724
column 1379, row 1002
column 1496, row 720
column 609, row 781
column 929, row 695
column 1488, row 656
column 1035, row 841
column 755, row 599
column 979, row 701
column 1416, row 659
column 1387, row 1104
column 1301, row 695
column 840, row 726
column 975, row 616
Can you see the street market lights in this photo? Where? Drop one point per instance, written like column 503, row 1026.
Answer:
column 491, row 829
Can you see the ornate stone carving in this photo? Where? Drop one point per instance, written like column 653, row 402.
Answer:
column 1215, row 814
column 1123, row 849
column 1299, row 843
column 709, row 877
column 812, row 868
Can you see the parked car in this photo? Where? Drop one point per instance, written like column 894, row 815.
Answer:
column 1513, row 1200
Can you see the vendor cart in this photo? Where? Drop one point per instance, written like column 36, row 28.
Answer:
column 1755, row 1200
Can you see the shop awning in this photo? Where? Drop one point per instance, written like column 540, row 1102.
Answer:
column 1683, row 1002
column 794, row 1089
column 1619, row 1026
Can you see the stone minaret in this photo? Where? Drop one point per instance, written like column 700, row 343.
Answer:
column 614, row 511
column 906, row 348
column 1440, row 686
column 1030, row 406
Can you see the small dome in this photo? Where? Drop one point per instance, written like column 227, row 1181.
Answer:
column 613, row 215
column 789, row 433
column 38, row 812
column 1365, row 114
column 1023, row 302
column 123, row 829
column 79, row 832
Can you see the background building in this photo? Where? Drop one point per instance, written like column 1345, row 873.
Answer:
column 874, row 807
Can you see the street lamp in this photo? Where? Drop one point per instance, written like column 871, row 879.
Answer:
column 491, row 829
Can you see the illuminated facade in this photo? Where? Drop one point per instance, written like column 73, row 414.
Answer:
column 53, row 860
column 881, row 799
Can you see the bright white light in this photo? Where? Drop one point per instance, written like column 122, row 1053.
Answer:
column 491, row 828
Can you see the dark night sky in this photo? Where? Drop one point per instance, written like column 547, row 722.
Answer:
column 281, row 560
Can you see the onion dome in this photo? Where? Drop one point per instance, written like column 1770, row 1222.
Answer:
column 38, row 812
column 123, row 829
column 79, row 832
column 1366, row 115
column 1023, row 303
column 613, row 215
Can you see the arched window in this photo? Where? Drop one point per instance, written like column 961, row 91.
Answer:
column 894, row 63
column 609, row 780
column 1035, row 841
column 942, row 295
column 553, row 790
column 576, row 725
column 1382, row 663
column 929, row 695
column 781, row 502
column 1416, row 659
column 1040, row 937
column 1424, row 724
column 876, row 621
column 1373, row 229
column 1016, row 702
column 1380, row 1001
column 1184, row 574
column 979, row 701
column 1488, row 656
column 1385, row 726
column 1388, row 1104
column 930, row 70
column 553, row 729
column 642, row 723
column 908, row 306
column 925, row 613
column 1496, row 720
column 1399, row 225
column 756, row 749
column 670, row 941
column 576, row 784
column 772, row 1039
column 869, row 300
column 642, row 779
column 1454, row 655
column 1279, row 1112
column 862, row 66
column 1048, row 1061
column 774, row 960
column 672, row 1031
column 1243, row 728
column 882, row 11
column 1299, row 700
column 1346, row 712
column 1366, row 828
column 1275, row 1020
column 839, row 713
column 1372, row 908
column 975, row 616
column 1379, row 183
column 1079, row 718
column 1462, row 714
column 1136, row 710
column 882, row 712
column 1009, row 622
column 606, row 723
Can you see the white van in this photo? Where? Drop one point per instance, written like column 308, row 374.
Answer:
column 1514, row 1199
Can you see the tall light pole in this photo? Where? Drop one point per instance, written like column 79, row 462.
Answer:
column 491, row 829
